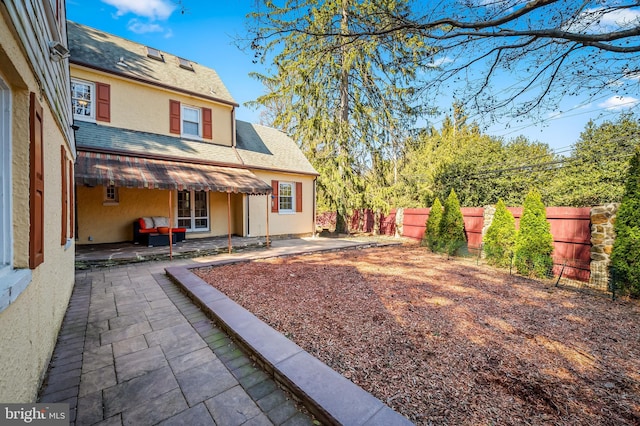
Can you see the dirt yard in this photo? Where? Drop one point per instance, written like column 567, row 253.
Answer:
column 450, row 343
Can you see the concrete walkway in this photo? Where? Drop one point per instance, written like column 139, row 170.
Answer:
column 135, row 350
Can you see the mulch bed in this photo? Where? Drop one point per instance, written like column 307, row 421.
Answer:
column 448, row 342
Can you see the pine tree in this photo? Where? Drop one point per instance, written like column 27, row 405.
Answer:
column 452, row 237
column 342, row 99
column 432, row 233
column 626, row 247
column 499, row 241
column 534, row 242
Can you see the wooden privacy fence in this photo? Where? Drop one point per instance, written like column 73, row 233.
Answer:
column 415, row 220
column 570, row 228
column 571, row 231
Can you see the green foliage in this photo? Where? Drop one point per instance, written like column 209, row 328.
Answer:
column 431, row 236
column 624, row 257
column 595, row 172
column 451, row 233
column 347, row 101
column 499, row 241
column 534, row 242
column 481, row 168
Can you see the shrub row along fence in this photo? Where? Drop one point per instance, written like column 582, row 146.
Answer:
column 582, row 236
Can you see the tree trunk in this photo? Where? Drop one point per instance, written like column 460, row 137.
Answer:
column 342, row 223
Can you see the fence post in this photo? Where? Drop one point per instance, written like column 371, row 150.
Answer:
column 511, row 263
column 399, row 221
column 612, row 283
column 561, row 272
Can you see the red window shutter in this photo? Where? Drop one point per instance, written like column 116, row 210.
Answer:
column 64, row 190
column 275, row 202
column 36, row 184
column 298, row 197
column 207, row 123
column 103, row 102
column 72, row 206
column 174, row 116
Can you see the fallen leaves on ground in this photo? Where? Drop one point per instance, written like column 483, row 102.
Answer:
column 445, row 342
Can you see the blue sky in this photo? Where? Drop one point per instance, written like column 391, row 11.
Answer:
column 205, row 33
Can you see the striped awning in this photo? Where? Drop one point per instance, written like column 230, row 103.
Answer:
column 93, row 169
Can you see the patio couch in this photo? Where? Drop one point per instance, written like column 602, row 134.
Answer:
column 143, row 227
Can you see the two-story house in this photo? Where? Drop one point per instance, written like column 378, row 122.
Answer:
column 154, row 128
column 37, row 154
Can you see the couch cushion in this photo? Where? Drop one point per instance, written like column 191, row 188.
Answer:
column 160, row 221
column 147, row 222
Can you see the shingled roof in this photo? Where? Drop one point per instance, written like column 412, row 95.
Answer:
column 269, row 148
column 100, row 50
column 258, row 147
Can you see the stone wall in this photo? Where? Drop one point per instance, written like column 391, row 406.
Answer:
column 602, row 238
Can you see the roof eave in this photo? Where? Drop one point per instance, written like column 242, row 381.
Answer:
column 153, row 83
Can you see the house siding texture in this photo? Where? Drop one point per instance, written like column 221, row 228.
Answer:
column 146, row 100
column 32, row 309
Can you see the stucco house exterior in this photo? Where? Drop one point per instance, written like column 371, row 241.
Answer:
column 153, row 127
column 37, row 154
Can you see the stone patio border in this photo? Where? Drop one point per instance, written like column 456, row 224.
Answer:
column 332, row 398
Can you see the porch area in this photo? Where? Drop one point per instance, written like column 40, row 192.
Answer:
column 111, row 254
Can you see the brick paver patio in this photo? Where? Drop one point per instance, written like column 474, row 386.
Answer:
column 134, row 350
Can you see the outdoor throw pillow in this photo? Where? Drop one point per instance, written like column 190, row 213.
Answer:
column 148, row 222
column 159, row 221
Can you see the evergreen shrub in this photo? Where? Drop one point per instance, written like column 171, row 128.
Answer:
column 432, row 233
column 452, row 236
column 500, row 239
column 625, row 257
column 534, row 242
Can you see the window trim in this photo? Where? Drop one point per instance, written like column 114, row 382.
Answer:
column 12, row 281
column 6, row 175
column 92, row 85
column 182, row 120
column 292, row 209
column 108, row 201
column 192, row 218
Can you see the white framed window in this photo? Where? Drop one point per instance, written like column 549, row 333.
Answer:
column 6, row 229
column 193, row 210
column 111, row 196
column 286, row 197
column 83, row 100
column 12, row 281
column 191, row 121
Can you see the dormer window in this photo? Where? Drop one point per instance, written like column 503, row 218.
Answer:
column 184, row 63
column 154, row 54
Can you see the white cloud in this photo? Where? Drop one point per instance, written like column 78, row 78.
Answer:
column 619, row 102
column 151, row 9
column 142, row 28
column 440, row 62
column 621, row 18
column 598, row 20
